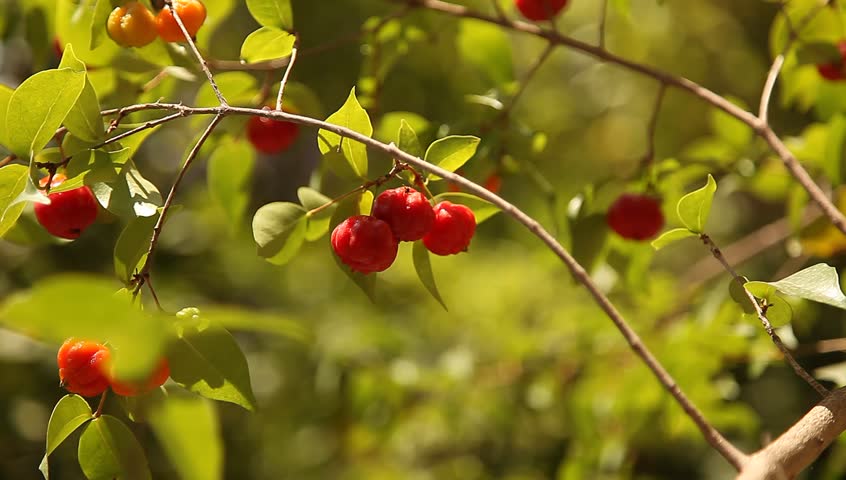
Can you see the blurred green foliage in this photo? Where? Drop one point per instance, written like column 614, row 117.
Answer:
column 523, row 377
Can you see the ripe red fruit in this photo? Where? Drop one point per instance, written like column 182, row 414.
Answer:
column 407, row 211
column 192, row 13
column 271, row 136
column 131, row 25
column 453, row 229
column 69, row 213
column 836, row 70
column 494, row 182
column 82, row 366
column 156, row 380
column 364, row 243
column 538, row 10
column 635, row 216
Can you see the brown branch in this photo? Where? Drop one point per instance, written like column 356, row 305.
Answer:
column 768, row 327
column 801, row 444
column 287, row 72
column 652, row 128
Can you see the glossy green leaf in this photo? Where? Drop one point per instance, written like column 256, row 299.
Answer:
column 272, row 13
column 187, row 429
column 131, row 195
column 693, row 209
column 482, row 209
column 737, row 292
column 84, row 119
column 818, row 283
column 229, row 177
column 75, row 22
column 671, row 236
column 102, row 9
column 89, row 167
column 109, row 450
column 423, row 267
column 32, row 117
column 351, row 115
column 318, row 223
column 5, row 96
column 13, row 180
column 279, row 231
column 70, row 413
column 206, row 360
column 137, row 339
column 267, row 43
column 407, row 140
column 450, row 153
column 132, row 245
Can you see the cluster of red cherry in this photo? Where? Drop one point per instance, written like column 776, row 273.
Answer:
column 369, row 243
column 84, row 368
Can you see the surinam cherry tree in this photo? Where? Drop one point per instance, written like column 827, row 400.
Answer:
column 192, row 168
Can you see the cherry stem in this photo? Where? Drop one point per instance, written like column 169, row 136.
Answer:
column 99, row 410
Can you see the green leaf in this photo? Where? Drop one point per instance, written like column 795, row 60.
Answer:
column 102, row 9
column 5, row 96
column 693, row 208
column 355, row 205
column 137, row 339
column 351, row 115
column 13, row 180
column 450, row 153
column 818, row 283
column 109, row 450
column 423, row 267
column 187, row 429
column 131, row 195
column 817, row 53
column 272, row 13
column 206, row 360
column 318, row 224
column 482, row 209
column 407, row 140
column 671, row 236
column 84, row 119
column 93, row 166
column 737, row 292
column 229, row 176
column 33, row 117
column 70, row 413
column 132, row 245
column 267, row 43
column 279, row 230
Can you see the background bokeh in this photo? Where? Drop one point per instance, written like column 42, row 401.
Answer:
column 523, row 377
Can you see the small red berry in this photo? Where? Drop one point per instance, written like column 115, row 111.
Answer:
column 407, row 211
column 156, row 380
column 836, row 70
column 82, row 366
column 271, row 136
column 192, row 13
column 453, row 229
column 635, row 216
column 69, row 212
column 494, row 182
column 365, row 244
column 538, row 10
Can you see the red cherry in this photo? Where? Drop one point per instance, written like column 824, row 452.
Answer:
column 453, row 229
column 407, row 211
column 69, row 213
column 82, row 365
column 156, row 380
column 835, row 71
column 271, row 136
column 537, row 10
column 635, row 216
column 365, row 244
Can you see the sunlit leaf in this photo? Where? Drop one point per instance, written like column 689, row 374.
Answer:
column 450, row 153
column 108, row 449
column 671, row 236
column 187, row 429
column 352, row 116
column 267, row 43
column 423, row 267
column 694, row 208
column 70, row 413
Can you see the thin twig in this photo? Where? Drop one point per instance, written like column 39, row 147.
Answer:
column 9, row 159
column 715, row 251
column 102, row 404
column 193, row 46
column 287, row 73
column 603, row 18
column 652, row 128
column 760, row 128
column 145, row 126
column 143, row 276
